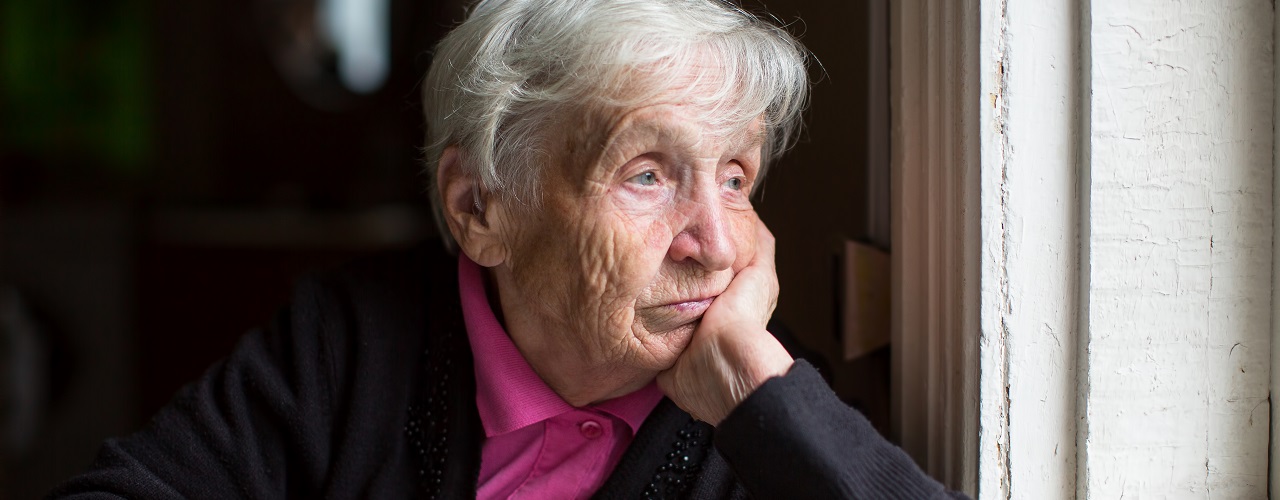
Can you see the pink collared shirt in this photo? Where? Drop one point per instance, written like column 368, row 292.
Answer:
column 537, row 445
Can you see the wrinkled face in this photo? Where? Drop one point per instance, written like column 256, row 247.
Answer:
column 643, row 222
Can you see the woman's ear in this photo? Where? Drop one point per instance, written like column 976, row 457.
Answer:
column 464, row 205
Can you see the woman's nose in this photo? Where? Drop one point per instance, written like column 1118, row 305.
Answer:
column 706, row 237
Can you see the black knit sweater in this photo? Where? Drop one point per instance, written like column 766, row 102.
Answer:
column 364, row 388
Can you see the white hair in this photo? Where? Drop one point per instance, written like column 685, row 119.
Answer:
column 500, row 81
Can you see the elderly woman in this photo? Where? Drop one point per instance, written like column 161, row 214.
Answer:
column 602, row 327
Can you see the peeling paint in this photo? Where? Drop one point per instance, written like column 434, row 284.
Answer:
column 1002, row 113
column 993, row 453
column 1181, row 133
column 1127, row 212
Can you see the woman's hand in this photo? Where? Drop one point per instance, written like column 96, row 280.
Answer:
column 731, row 353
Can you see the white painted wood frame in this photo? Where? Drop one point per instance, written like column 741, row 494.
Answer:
column 1083, row 267
column 1178, row 249
column 1031, row 270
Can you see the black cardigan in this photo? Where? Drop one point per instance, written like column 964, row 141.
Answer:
column 364, row 388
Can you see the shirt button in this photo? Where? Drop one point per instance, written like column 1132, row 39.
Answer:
column 590, row 429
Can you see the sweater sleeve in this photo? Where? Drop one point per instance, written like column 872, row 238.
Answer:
column 255, row 425
column 794, row 438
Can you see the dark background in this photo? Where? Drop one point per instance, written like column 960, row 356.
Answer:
column 164, row 180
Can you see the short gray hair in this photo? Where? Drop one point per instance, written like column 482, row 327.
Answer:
column 514, row 67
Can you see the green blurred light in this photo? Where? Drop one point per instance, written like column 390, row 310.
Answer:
column 75, row 85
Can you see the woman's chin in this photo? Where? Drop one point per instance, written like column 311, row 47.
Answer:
column 666, row 346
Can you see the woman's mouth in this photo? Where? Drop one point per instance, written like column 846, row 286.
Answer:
column 698, row 306
column 686, row 311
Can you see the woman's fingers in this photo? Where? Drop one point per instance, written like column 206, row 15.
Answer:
column 753, row 293
column 731, row 353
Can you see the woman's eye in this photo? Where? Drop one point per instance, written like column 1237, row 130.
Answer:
column 645, row 179
column 734, row 183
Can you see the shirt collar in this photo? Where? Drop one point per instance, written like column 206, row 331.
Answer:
column 509, row 394
column 633, row 408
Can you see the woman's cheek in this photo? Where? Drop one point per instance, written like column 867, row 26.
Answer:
column 637, row 247
column 642, row 251
column 745, row 234
column 645, row 216
column 605, row 244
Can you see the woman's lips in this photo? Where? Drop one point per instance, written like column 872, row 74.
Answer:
column 687, row 311
column 698, row 306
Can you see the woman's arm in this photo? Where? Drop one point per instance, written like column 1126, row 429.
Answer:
column 782, row 430
column 236, row 432
column 794, row 438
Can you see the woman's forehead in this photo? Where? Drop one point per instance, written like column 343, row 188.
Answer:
column 675, row 125
column 682, row 124
column 686, row 107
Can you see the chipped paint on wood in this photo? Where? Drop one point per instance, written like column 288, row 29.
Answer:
column 1180, row 249
column 1126, row 263
column 993, row 404
column 1030, row 206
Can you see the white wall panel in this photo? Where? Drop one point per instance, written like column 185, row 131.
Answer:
column 1179, row 249
column 1124, row 211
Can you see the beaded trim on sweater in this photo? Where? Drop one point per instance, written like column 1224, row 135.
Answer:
column 428, row 423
